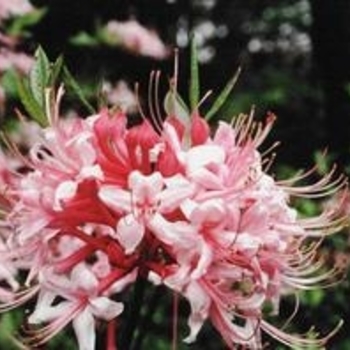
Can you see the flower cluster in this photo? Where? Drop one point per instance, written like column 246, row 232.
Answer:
column 96, row 205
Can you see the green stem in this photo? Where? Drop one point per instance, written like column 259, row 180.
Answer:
column 133, row 315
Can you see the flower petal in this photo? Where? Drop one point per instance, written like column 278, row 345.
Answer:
column 115, row 198
column 84, row 328
column 130, row 233
column 105, row 308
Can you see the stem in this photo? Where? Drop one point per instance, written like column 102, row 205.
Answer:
column 133, row 315
column 111, row 331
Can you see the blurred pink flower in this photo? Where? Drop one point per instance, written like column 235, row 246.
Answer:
column 10, row 8
column 18, row 60
column 120, row 95
column 134, row 37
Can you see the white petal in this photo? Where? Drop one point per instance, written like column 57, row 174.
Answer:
column 93, row 171
column 172, row 198
column 83, row 278
column 105, row 308
column 84, row 327
column 145, row 187
column 130, row 233
column 178, row 234
column 200, row 156
column 115, row 198
column 65, row 190
column 49, row 313
column 212, row 212
column 207, row 179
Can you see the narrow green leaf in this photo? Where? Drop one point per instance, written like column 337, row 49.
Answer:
column 194, row 80
column 72, row 83
column 221, row 99
column 33, row 108
column 39, row 75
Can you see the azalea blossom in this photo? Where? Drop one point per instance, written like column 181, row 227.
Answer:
column 101, row 205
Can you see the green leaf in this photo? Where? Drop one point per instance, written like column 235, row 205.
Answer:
column 223, row 95
column 29, row 102
column 39, row 76
column 72, row 83
column 8, row 81
column 194, row 80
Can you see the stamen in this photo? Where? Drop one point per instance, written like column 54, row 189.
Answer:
column 138, row 101
column 158, row 120
column 176, row 70
column 14, row 149
column 150, row 94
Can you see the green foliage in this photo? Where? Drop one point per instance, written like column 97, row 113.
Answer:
column 223, row 96
column 72, row 84
column 9, row 327
column 32, row 106
column 9, row 82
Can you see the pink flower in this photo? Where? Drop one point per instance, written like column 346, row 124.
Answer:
column 101, row 205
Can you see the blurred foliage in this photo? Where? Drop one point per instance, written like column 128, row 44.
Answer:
column 277, row 45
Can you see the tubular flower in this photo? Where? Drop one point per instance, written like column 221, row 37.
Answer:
column 101, row 205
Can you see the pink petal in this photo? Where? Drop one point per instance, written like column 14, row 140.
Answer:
column 130, row 233
column 204, row 261
column 200, row 304
column 225, row 136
